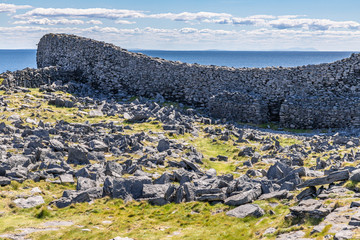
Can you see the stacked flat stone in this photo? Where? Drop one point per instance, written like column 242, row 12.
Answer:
column 263, row 94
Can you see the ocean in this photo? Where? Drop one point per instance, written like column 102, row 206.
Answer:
column 19, row 59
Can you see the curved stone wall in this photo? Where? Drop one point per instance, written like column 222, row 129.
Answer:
column 259, row 93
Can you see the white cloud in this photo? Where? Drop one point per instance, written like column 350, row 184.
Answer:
column 316, row 24
column 277, row 22
column 288, row 22
column 250, row 32
column 124, row 22
column 249, row 21
column 46, row 21
column 95, row 22
column 187, row 16
column 77, row 12
column 190, row 38
column 11, row 8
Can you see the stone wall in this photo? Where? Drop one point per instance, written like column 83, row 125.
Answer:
column 239, row 106
column 33, row 78
column 321, row 112
column 264, row 90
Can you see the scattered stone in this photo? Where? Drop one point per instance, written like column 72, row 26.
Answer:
column 121, row 238
column 163, row 145
column 222, row 158
column 4, row 181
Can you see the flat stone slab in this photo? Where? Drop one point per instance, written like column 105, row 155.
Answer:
column 66, row 178
column 333, row 177
column 29, row 202
column 246, row 210
column 278, row 194
column 242, row 198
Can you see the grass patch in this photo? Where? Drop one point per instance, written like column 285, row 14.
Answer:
column 43, row 213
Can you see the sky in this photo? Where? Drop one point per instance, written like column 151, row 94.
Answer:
column 239, row 25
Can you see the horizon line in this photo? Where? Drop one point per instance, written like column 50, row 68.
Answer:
column 212, row 50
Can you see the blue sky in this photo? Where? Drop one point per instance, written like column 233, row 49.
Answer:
column 327, row 25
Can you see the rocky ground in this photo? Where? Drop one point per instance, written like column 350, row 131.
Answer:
column 78, row 165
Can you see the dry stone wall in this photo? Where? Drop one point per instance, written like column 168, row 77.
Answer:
column 242, row 94
column 33, row 78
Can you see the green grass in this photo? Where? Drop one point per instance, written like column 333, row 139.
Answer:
column 138, row 220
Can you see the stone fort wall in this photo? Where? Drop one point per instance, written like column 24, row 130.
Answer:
column 312, row 96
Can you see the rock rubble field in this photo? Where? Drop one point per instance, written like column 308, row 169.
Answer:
column 77, row 164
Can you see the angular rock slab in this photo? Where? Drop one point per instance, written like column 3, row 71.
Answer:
column 298, row 235
column 244, row 197
column 333, row 177
column 246, row 210
column 78, row 155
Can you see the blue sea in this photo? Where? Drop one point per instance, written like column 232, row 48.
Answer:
column 19, row 59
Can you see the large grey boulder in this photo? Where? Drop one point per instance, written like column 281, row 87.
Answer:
column 157, row 194
column 246, row 210
column 29, row 202
column 85, row 183
column 78, row 155
column 129, row 188
column 154, row 190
